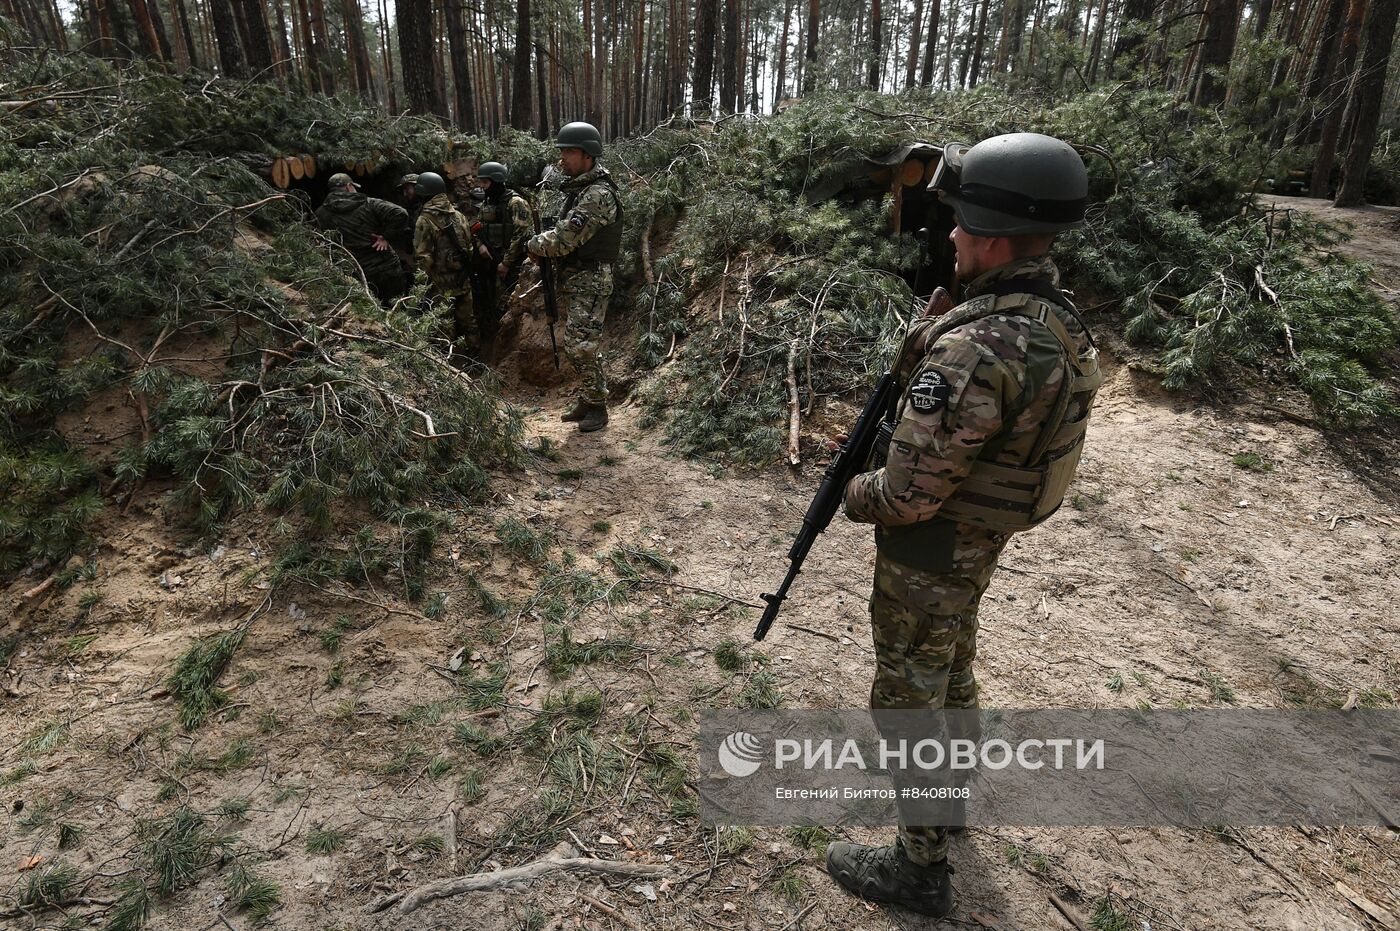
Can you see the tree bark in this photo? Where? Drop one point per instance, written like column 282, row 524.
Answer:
column 916, row 32
column 780, row 82
column 872, row 75
column 1095, row 51
column 1342, row 79
column 520, row 77
column 459, row 58
column 1368, row 92
column 231, row 60
column 976, row 66
column 728, row 69
column 931, row 28
column 259, row 43
column 1218, row 47
column 702, row 85
column 809, row 74
column 415, row 25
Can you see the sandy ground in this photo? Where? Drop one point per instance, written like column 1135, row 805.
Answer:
column 1172, row 567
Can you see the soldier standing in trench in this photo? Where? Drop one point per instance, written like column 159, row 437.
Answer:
column 993, row 399
column 584, row 244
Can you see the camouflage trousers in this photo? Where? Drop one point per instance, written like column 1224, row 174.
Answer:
column 583, row 299
column 466, row 328
column 925, row 633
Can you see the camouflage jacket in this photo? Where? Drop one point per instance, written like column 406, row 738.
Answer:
column 595, row 207
column 443, row 245
column 359, row 219
column 984, row 388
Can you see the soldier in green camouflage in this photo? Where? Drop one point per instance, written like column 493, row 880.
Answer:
column 584, row 244
column 444, row 247
column 992, row 403
column 502, row 228
column 371, row 229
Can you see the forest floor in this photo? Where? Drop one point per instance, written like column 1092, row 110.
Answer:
column 1220, row 554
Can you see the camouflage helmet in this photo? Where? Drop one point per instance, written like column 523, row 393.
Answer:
column 493, row 170
column 410, row 178
column 1018, row 184
column 580, row 136
column 430, row 184
column 340, row 179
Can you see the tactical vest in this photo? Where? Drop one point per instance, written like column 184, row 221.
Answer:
column 605, row 245
column 495, row 221
column 1004, row 497
column 451, row 258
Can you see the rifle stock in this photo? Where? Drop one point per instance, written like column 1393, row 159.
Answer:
column 849, row 461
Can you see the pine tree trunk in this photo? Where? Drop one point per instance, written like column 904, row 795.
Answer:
column 1342, row 79
column 185, row 55
column 459, row 56
column 976, row 66
column 600, row 65
column 728, row 69
column 931, row 28
column 780, row 83
column 542, row 124
column 386, row 52
column 1097, row 47
column 702, row 86
column 1127, row 56
column 145, row 28
column 916, row 31
column 259, row 44
column 639, row 89
column 809, row 75
column 359, row 48
column 231, row 61
column 872, row 76
column 1368, row 93
column 520, row 78
column 1222, row 24
column 415, row 26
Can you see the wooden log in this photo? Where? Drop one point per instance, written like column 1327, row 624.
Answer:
column 295, row 167
column 281, row 174
column 912, row 172
column 308, row 165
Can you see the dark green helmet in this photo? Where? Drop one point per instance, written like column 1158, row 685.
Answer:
column 493, row 170
column 340, row 179
column 430, row 184
column 580, row 136
column 1014, row 185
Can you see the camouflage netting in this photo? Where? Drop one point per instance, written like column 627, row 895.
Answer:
column 168, row 320
column 1214, row 289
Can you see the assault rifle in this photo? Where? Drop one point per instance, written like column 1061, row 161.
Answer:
column 850, row 460
column 551, row 299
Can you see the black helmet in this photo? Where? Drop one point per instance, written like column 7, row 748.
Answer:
column 430, row 184
column 1014, row 185
column 580, row 136
column 493, row 170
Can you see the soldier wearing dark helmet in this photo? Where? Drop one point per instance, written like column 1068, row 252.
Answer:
column 502, row 228
column 371, row 229
column 444, row 248
column 584, row 244
column 992, row 403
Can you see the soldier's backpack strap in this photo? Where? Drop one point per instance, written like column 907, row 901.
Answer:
column 1009, row 497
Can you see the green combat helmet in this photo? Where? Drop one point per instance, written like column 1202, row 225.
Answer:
column 340, row 179
column 580, row 136
column 1014, row 185
column 495, row 171
column 429, row 185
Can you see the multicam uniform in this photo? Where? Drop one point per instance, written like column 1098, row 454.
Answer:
column 585, row 242
column 443, row 246
column 982, row 391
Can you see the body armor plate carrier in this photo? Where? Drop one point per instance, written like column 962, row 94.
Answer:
column 1007, row 497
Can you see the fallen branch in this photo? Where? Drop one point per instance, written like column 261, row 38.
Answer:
column 794, row 408
column 1070, row 914
column 646, row 251
column 563, row 858
column 611, row 912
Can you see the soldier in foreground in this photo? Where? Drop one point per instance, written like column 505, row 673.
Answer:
column 371, row 229
column 502, row 228
column 584, row 244
column 992, row 401
column 443, row 246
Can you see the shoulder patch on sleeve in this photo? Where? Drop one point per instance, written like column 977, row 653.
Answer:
column 575, row 221
column 930, row 392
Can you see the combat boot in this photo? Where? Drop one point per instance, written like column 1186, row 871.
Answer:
column 884, row 874
column 577, row 412
column 595, row 419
